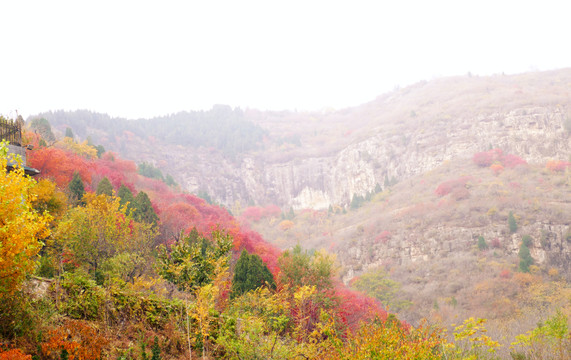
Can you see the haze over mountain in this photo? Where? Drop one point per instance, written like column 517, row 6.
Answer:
column 318, row 159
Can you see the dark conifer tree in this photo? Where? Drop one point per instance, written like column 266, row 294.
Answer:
column 144, row 211
column 250, row 273
column 104, row 187
column 76, row 188
column 126, row 197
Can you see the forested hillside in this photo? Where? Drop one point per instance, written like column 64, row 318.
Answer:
column 432, row 222
column 101, row 262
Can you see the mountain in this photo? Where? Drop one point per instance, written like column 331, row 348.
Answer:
column 430, row 196
column 314, row 160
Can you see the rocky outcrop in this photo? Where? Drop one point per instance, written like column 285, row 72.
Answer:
column 551, row 244
column 536, row 134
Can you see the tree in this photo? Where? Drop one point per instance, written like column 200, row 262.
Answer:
column 250, row 273
column 191, row 262
column 512, row 223
column 43, row 127
column 144, row 211
column 76, row 188
column 299, row 268
column 21, row 227
column 104, row 187
column 378, row 285
column 126, row 197
column 100, row 150
column 68, row 132
column 169, row 180
column 482, row 245
column 101, row 230
column 525, row 259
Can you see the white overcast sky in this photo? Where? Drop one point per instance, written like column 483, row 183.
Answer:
column 147, row 58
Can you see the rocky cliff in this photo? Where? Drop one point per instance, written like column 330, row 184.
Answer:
column 537, row 134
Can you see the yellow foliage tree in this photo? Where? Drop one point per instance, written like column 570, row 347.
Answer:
column 101, row 230
column 21, row 227
column 81, row 149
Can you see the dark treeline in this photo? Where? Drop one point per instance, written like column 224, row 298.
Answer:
column 222, row 127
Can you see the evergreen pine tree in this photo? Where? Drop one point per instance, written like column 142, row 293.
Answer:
column 76, row 188
column 156, row 350
column 104, row 187
column 100, row 150
column 512, row 223
column 126, row 196
column 525, row 259
column 144, row 211
column 68, row 132
column 250, row 273
column 482, row 245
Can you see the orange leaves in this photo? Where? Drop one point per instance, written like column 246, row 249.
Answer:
column 14, row 354
column 557, row 165
column 80, row 340
column 497, row 168
column 286, row 225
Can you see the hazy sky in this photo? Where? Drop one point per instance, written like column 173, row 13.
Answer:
column 147, row 58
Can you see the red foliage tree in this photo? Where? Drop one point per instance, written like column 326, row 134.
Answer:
column 59, row 165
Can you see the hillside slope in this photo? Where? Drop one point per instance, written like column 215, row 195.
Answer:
column 313, row 160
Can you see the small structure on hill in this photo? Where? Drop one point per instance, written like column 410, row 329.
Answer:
column 11, row 130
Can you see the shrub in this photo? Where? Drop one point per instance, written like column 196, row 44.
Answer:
column 557, row 165
column 448, row 186
column 482, row 243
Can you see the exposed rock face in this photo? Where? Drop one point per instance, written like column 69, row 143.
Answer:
column 550, row 245
column 536, row 134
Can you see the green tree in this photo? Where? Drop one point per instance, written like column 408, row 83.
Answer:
column 377, row 284
column 126, row 197
column 191, row 262
column 104, row 187
column 169, row 180
column 100, row 150
column 76, row 189
column 148, row 170
column 68, row 132
column 357, row 201
column 43, row 127
column 156, row 350
column 300, row 268
column 144, row 211
column 525, row 259
column 482, row 245
column 512, row 223
column 250, row 273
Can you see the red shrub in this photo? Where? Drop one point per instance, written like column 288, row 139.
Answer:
column 483, row 159
column 446, row 187
column 383, row 237
column 511, row 161
column 505, row 274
